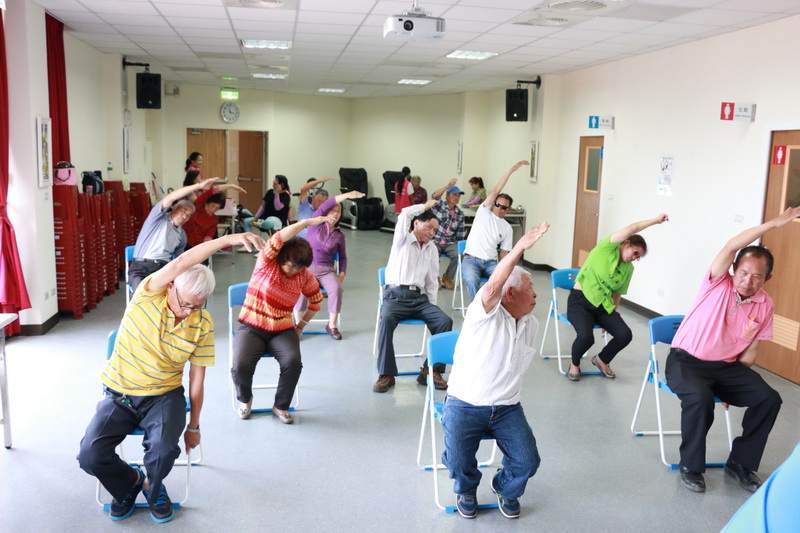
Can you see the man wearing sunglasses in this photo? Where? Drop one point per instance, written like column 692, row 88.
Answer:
column 164, row 327
column 490, row 237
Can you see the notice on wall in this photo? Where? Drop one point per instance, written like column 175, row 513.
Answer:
column 666, row 169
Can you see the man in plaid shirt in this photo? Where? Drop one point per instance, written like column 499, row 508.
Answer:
column 451, row 227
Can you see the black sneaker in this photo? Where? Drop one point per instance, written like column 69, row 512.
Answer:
column 422, row 377
column 122, row 510
column 467, row 505
column 161, row 509
column 507, row 506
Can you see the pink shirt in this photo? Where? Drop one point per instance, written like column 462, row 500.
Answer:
column 717, row 328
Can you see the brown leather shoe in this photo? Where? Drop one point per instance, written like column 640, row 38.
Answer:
column 284, row 416
column 438, row 381
column 334, row 332
column 448, row 282
column 384, row 383
column 422, row 377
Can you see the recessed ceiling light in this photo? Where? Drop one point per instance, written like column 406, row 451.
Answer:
column 414, row 82
column 264, row 3
column 272, row 45
column 576, row 5
column 330, row 90
column 269, row 76
column 470, row 54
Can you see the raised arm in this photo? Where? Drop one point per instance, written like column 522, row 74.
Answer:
column 293, row 229
column 310, row 185
column 183, row 192
column 404, row 219
column 439, row 192
column 489, row 200
column 200, row 253
column 725, row 257
column 623, row 234
column 221, row 188
column 493, row 291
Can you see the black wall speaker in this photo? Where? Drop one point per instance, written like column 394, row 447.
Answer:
column 148, row 90
column 516, row 105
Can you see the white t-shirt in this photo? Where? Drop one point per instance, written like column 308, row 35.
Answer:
column 488, row 230
column 492, row 353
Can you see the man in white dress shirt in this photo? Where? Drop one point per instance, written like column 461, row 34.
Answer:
column 494, row 350
column 411, row 290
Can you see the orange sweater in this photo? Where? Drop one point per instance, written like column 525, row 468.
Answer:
column 271, row 294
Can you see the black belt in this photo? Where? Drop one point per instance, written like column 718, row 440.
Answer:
column 156, row 261
column 412, row 288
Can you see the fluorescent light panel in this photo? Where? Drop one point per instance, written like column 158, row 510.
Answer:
column 272, row 45
column 269, row 76
column 330, row 90
column 470, row 54
column 413, row 82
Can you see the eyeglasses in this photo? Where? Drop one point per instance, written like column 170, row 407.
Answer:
column 501, row 206
column 182, row 305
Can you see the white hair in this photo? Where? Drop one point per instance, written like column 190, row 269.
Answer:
column 515, row 278
column 197, row 281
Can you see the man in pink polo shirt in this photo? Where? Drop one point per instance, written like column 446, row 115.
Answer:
column 713, row 351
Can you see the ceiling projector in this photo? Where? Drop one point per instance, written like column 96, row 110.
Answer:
column 413, row 27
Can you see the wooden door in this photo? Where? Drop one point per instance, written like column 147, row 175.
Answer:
column 783, row 190
column 252, row 155
column 213, row 145
column 587, row 204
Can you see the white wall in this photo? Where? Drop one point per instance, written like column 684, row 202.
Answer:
column 668, row 102
column 30, row 208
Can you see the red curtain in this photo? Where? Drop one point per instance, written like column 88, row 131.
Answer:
column 57, row 86
column 13, row 294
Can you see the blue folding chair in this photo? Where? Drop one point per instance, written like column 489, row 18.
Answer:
column 236, row 295
column 128, row 258
column 562, row 279
column 188, row 462
column 408, row 322
column 459, row 288
column 325, row 320
column 440, row 350
column 663, row 329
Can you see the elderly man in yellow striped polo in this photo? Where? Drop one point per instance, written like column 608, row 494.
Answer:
column 165, row 325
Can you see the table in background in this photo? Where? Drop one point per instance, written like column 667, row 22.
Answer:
column 515, row 218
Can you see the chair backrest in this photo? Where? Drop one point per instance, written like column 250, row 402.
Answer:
column 564, row 278
column 390, row 177
column 381, row 276
column 354, row 179
column 236, row 294
column 663, row 328
column 129, row 253
column 462, row 245
column 112, row 339
column 441, row 347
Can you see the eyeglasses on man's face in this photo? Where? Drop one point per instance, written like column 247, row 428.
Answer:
column 183, row 304
column 501, row 206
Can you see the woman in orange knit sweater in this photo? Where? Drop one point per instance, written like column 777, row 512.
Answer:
column 265, row 322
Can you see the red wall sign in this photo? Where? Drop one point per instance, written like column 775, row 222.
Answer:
column 726, row 111
column 779, row 155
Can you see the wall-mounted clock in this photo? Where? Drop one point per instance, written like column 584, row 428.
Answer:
column 229, row 112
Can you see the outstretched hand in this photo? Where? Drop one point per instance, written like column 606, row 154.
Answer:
column 205, row 184
column 430, row 203
column 519, row 164
column 452, row 182
column 533, row 235
column 354, row 194
column 660, row 219
column 786, row 217
column 250, row 241
column 316, row 221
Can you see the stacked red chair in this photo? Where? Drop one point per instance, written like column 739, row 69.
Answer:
column 123, row 223
column 70, row 252
column 86, row 209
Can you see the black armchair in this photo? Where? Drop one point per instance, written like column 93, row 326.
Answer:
column 363, row 213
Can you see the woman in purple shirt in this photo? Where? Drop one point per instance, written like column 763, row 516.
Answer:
column 326, row 241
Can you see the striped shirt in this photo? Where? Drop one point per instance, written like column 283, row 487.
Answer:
column 271, row 294
column 151, row 351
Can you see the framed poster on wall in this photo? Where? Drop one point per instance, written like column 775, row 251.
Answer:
column 534, row 161
column 44, row 151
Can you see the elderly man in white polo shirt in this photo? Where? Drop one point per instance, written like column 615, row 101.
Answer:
column 489, row 232
column 494, row 350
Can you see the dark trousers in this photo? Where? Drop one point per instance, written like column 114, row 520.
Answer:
column 583, row 316
column 696, row 383
column 401, row 304
column 138, row 270
column 162, row 417
column 250, row 345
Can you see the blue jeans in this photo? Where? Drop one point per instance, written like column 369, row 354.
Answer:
column 473, row 269
column 268, row 224
column 465, row 424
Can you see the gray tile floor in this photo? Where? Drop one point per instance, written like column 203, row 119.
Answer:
column 348, row 463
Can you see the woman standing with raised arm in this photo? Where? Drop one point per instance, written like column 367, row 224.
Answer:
column 594, row 298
